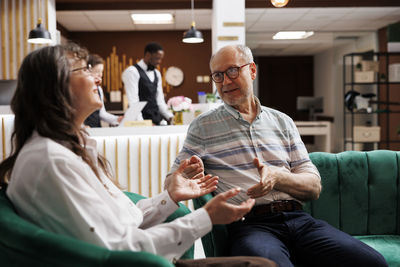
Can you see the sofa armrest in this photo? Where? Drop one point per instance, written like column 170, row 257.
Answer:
column 182, row 211
column 23, row 243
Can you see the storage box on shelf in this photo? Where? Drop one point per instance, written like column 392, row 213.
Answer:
column 366, row 133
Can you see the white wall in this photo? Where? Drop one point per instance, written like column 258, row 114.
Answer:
column 328, row 80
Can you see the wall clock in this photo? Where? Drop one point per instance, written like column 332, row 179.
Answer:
column 174, row 76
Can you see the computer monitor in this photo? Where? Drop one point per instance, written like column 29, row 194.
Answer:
column 7, row 90
column 310, row 104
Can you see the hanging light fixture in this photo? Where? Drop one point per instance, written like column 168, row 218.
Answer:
column 279, row 3
column 39, row 35
column 192, row 36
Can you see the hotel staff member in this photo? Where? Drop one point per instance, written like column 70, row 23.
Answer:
column 143, row 83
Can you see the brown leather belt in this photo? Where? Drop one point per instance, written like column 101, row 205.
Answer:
column 275, row 207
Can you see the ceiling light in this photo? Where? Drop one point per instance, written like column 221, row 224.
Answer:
column 279, row 3
column 192, row 36
column 39, row 35
column 163, row 18
column 286, row 35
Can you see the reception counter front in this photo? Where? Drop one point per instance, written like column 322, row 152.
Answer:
column 140, row 157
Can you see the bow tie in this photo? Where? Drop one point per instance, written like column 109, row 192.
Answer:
column 150, row 67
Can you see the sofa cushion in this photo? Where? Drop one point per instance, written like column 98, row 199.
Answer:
column 387, row 245
column 360, row 190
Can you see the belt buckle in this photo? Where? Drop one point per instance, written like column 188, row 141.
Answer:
column 272, row 208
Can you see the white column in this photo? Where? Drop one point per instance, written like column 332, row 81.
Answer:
column 228, row 23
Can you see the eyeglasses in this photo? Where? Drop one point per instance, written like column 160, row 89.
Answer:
column 232, row 73
column 87, row 69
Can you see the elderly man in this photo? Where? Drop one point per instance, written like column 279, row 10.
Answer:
column 260, row 150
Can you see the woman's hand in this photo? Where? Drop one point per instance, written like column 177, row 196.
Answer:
column 222, row 212
column 188, row 181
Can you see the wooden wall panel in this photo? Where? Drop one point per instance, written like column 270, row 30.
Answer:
column 18, row 17
column 193, row 59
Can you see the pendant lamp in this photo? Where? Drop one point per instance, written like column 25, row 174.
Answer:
column 192, row 36
column 39, row 35
column 279, row 3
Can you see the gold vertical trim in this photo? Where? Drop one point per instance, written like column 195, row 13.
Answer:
column 46, row 13
column 123, row 62
column 128, row 158
column 3, row 40
column 116, row 160
column 169, row 153
column 150, row 186
column 177, row 145
column 120, row 76
column 32, row 9
column 18, row 28
column 108, row 74
column 3, row 137
column 140, row 165
column 25, row 27
column 11, row 71
column 159, row 166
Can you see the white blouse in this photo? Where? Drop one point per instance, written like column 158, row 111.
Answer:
column 55, row 189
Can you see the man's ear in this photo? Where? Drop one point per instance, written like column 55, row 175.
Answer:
column 253, row 70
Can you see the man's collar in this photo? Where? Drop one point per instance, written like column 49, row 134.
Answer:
column 236, row 114
column 144, row 66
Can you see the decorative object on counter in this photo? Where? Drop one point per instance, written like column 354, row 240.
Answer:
column 179, row 106
column 192, row 36
column 179, row 103
column 211, row 98
column 174, row 76
column 201, row 97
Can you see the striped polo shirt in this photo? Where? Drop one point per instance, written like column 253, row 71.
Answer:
column 227, row 144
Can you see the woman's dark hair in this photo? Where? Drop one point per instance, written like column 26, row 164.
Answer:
column 42, row 102
column 95, row 59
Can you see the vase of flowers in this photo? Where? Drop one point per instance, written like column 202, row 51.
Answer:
column 178, row 105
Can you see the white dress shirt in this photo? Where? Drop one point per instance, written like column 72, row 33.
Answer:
column 131, row 77
column 55, row 189
column 103, row 114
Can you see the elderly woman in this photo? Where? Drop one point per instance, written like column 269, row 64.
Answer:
column 56, row 179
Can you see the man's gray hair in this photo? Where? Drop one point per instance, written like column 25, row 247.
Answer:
column 244, row 51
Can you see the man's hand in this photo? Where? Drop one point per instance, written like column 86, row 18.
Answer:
column 188, row 181
column 222, row 212
column 194, row 169
column 268, row 179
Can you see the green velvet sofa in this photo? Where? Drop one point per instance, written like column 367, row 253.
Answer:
column 360, row 196
column 24, row 244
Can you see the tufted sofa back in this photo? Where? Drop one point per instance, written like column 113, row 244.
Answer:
column 360, row 191
column 360, row 195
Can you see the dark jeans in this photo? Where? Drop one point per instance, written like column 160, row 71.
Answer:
column 298, row 237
